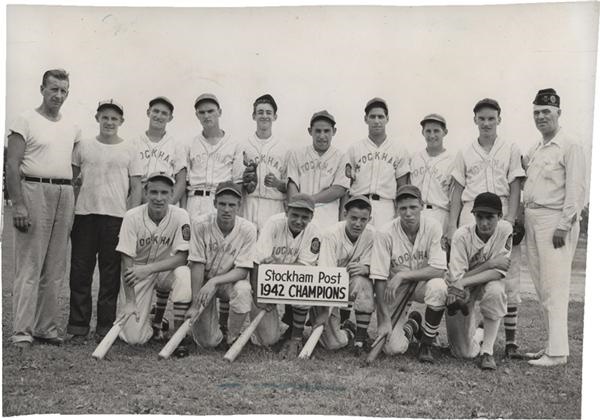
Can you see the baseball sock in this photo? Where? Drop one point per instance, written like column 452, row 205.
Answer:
column 162, row 296
column 179, row 310
column 430, row 325
column 510, row 325
column 490, row 331
column 223, row 314
column 362, row 323
column 344, row 315
column 299, row 320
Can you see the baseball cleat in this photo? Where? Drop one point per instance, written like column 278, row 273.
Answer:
column 358, row 349
column 78, row 340
column 98, row 337
column 511, row 352
column 292, row 348
column 425, row 355
column 548, row 361
column 181, row 351
column 412, row 328
column 487, row 362
column 53, row 341
column 535, row 355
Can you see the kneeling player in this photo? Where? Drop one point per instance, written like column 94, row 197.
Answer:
column 348, row 244
column 153, row 242
column 479, row 260
column 406, row 251
column 286, row 238
column 221, row 256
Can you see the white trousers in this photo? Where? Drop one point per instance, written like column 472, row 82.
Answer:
column 382, row 212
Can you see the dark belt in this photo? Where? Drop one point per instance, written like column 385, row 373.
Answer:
column 202, row 193
column 56, row 181
column 428, row 206
column 375, row 197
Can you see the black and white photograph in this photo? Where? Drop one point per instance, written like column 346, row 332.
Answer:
column 338, row 209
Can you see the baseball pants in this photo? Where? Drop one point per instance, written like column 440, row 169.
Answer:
column 439, row 214
column 326, row 215
column 206, row 331
column 461, row 329
column 382, row 212
column 270, row 329
column 259, row 209
column 198, row 205
column 550, row 270
column 177, row 280
column 41, row 260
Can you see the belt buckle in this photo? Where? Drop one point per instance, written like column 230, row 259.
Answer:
column 375, row 197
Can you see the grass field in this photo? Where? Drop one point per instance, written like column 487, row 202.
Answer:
column 67, row 380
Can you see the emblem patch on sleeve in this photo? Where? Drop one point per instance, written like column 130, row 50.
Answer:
column 509, row 242
column 315, row 246
column 185, row 232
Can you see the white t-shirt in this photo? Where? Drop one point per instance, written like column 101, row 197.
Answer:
column 48, row 145
column 105, row 172
column 165, row 155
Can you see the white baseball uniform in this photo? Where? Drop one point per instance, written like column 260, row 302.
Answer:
column 394, row 252
column 221, row 254
column 208, row 165
column 375, row 170
column 271, row 156
column 469, row 252
column 553, row 195
column 164, row 156
column 146, row 242
column 313, row 173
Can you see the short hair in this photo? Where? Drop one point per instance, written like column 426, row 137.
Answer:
column 265, row 99
column 59, row 74
column 358, row 204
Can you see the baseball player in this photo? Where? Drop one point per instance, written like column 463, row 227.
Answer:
column 407, row 250
column 154, row 243
column 478, row 262
column 286, row 238
column 490, row 164
column 377, row 165
column 430, row 169
column 221, row 256
column 109, row 172
column 554, row 194
column 213, row 157
column 348, row 244
column 318, row 170
column 269, row 155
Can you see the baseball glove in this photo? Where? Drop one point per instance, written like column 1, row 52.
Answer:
column 518, row 232
column 250, row 177
column 457, row 299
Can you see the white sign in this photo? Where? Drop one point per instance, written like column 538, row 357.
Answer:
column 302, row 285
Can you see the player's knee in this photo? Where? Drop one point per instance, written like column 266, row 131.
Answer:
column 362, row 291
column 397, row 343
column 241, row 297
column 436, row 292
column 182, row 285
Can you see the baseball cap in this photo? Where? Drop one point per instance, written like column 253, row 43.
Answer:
column 302, row 201
column 487, row 202
column 206, row 97
column 376, row 103
column 162, row 100
column 161, row 175
column 435, row 118
column 547, row 97
column 228, row 186
column 322, row 115
column 487, row 103
column 110, row 103
column 266, row 99
column 408, row 189
column 357, row 199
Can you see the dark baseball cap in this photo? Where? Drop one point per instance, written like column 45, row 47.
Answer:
column 322, row 115
column 408, row 189
column 547, row 97
column 487, row 202
column 162, row 176
column 433, row 118
column 376, row 103
column 357, row 199
column 302, row 201
column 487, row 103
column 162, row 100
column 110, row 103
column 228, row 186
column 206, row 97
column 268, row 99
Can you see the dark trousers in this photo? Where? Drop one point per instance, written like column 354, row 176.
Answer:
column 94, row 235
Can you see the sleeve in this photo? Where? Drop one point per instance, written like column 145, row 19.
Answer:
column 20, row 126
column 381, row 256
column 135, row 167
column 284, row 169
column 327, row 253
column 504, row 245
column 459, row 256
column 437, row 256
column 403, row 164
column 76, row 154
column 179, row 160
column 575, row 168
column 237, row 171
column 78, row 135
column 340, row 177
column 459, row 169
column 181, row 242
column 197, row 245
column 310, row 246
column 245, row 258
column 515, row 167
column 128, row 236
column 264, row 244
column 293, row 171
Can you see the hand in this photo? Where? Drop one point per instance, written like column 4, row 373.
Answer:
column 137, row 273
column 206, row 293
column 392, row 288
column 191, row 312
column 268, row 260
column 349, row 172
column 449, row 233
column 131, row 308
column 558, row 239
column 21, row 218
column 356, row 269
column 384, row 328
column 272, row 181
column 249, row 173
column 501, row 263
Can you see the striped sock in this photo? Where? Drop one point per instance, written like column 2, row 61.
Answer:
column 299, row 320
column 344, row 315
column 223, row 314
column 179, row 310
column 510, row 325
column 362, row 323
column 162, row 297
column 430, row 324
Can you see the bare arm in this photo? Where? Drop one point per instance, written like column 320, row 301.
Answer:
column 137, row 273
column 197, row 272
column 455, row 209
column 135, row 192
column 384, row 321
column 480, row 278
column 514, row 199
column 14, row 156
column 126, row 264
column 329, row 194
column 179, row 189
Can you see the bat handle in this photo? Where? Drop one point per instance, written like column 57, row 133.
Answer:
column 239, row 344
column 312, row 341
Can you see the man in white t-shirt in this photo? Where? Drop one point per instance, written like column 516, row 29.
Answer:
column 38, row 178
column 109, row 171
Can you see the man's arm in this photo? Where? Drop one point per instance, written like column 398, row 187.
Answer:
column 179, row 189
column 514, row 199
column 197, row 274
column 126, row 264
column 455, row 209
column 329, row 194
column 135, row 192
column 483, row 277
column 140, row 272
column 14, row 156
column 209, row 288
column 384, row 320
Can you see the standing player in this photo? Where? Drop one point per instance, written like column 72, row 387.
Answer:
column 408, row 250
column 318, row 170
column 270, row 156
column 478, row 262
column 154, row 243
column 212, row 157
column 430, row 170
column 348, row 244
column 286, row 238
column 553, row 196
column 377, row 165
column 221, row 256
column 490, row 164
column 158, row 151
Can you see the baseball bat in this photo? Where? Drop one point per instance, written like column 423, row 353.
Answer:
column 311, row 343
column 110, row 337
column 179, row 335
column 239, row 344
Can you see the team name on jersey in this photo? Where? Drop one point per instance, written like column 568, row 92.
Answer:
column 316, row 165
column 154, row 239
column 156, row 154
column 270, row 161
column 226, row 248
column 477, row 259
column 378, row 156
column 283, row 251
column 407, row 257
column 219, row 157
column 435, row 173
column 480, row 166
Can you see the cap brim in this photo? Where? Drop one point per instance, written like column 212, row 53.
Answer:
column 300, row 206
column 112, row 106
column 488, row 210
column 233, row 190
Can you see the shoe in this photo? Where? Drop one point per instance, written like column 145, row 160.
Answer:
column 487, row 362
column 223, row 345
column 292, row 348
column 22, row 345
column 412, row 328
column 359, row 348
column 548, row 361
column 511, row 352
column 158, row 333
column 78, row 340
column 425, row 355
column 350, row 328
column 52, row 341
column 181, row 351
column 535, row 355
column 98, row 337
